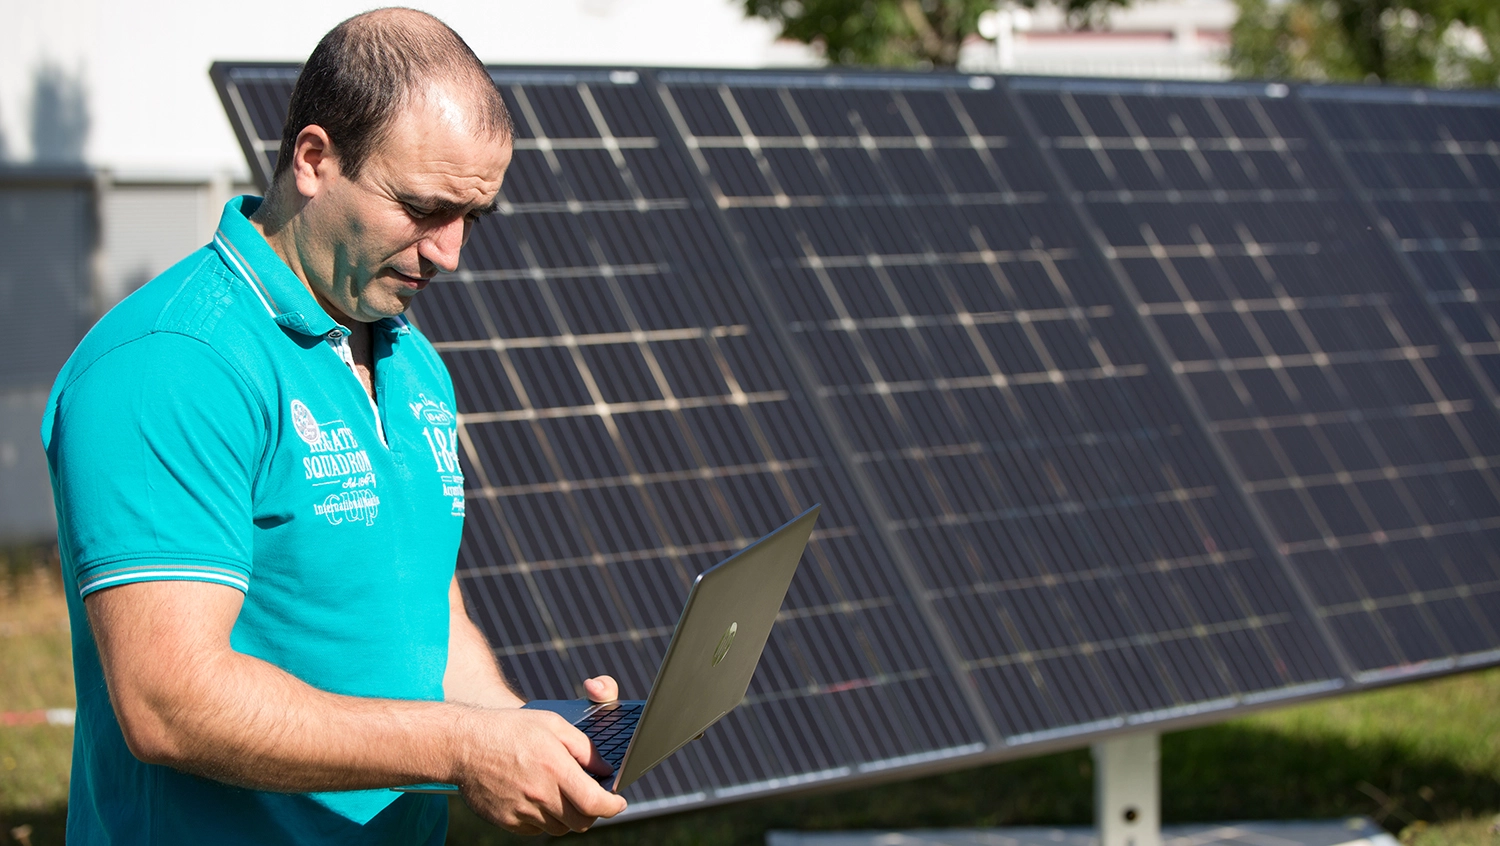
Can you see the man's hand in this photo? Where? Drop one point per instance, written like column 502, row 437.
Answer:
column 524, row 785
column 528, row 771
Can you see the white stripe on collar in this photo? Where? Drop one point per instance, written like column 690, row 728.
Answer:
column 240, row 270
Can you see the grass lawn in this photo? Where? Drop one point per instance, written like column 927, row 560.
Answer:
column 1422, row 759
column 35, row 672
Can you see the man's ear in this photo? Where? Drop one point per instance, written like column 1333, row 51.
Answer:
column 314, row 161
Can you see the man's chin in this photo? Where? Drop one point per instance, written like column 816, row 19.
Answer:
column 393, row 306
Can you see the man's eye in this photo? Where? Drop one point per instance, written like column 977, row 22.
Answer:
column 416, row 211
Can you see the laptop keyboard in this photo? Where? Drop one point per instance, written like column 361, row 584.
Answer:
column 611, row 730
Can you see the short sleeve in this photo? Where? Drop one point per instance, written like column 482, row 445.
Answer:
column 154, row 451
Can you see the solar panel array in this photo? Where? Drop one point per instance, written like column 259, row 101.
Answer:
column 1129, row 405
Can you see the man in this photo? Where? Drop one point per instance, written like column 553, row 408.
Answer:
column 258, row 498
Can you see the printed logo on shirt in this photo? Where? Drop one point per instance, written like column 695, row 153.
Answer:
column 432, row 413
column 441, row 433
column 335, row 460
column 356, row 507
column 304, row 422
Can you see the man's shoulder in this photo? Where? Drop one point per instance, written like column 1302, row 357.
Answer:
column 197, row 301
column 192, row 297
column 419, row 339
column 199, row 297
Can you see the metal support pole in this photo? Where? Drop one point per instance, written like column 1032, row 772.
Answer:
column 1127, row 790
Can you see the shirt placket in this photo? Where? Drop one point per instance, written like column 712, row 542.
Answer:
column 340, row 343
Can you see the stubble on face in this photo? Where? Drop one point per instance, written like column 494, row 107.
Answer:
column 376, row 241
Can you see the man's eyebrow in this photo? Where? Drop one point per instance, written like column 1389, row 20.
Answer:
column 447, row 208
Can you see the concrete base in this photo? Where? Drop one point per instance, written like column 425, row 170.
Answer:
column 1355, row 831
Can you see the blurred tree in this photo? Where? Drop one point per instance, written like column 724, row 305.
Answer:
column 1418, row 42
column 900, row 33
column 59, row 115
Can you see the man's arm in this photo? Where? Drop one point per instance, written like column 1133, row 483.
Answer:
column 186, row 699
column 473, row 677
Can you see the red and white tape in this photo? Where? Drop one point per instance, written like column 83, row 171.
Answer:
column 41, row 716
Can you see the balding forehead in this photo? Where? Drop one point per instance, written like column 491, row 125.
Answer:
column 464, row 105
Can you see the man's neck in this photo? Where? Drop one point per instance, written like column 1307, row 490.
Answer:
column 362, row 350
column 278, row 225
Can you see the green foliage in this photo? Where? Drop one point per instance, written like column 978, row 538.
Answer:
column 896, row 33
column 1413, row 42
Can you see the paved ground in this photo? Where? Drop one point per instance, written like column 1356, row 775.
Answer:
column 1356, row 831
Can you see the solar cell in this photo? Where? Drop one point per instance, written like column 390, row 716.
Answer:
column 1121, row 410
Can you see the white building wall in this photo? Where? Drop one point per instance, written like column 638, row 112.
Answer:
column 144, row 64
column 1150, row 39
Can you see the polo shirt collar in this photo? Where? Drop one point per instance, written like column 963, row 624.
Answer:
column 284, row 295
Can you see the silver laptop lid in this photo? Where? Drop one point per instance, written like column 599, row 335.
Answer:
column 717, row 644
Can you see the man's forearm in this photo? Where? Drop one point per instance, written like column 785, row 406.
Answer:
column 257, row 726
column 473, row 676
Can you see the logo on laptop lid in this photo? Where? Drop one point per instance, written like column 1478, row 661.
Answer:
column 725, row 642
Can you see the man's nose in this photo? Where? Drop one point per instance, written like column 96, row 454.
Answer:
column 442, row 244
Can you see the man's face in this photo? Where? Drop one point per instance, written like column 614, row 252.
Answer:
column 377, row 240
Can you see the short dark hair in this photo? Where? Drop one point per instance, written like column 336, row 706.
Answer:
column 363, row 73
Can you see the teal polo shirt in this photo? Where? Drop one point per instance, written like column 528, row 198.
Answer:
column 209, row 428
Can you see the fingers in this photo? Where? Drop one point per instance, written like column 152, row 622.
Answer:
column 571, row 804
column 581, row 820
column 578, row 806
column 602, row 689
column 581, row 748
column 586, row 801
column 580, row 791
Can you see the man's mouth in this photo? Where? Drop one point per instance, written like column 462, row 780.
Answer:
column 414, row 282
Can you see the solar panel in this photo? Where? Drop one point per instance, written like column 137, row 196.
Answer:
column 1345, row 412
column 1078, row 559
column 1060, row 496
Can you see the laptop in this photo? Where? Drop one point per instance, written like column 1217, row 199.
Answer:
column 712, row 655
